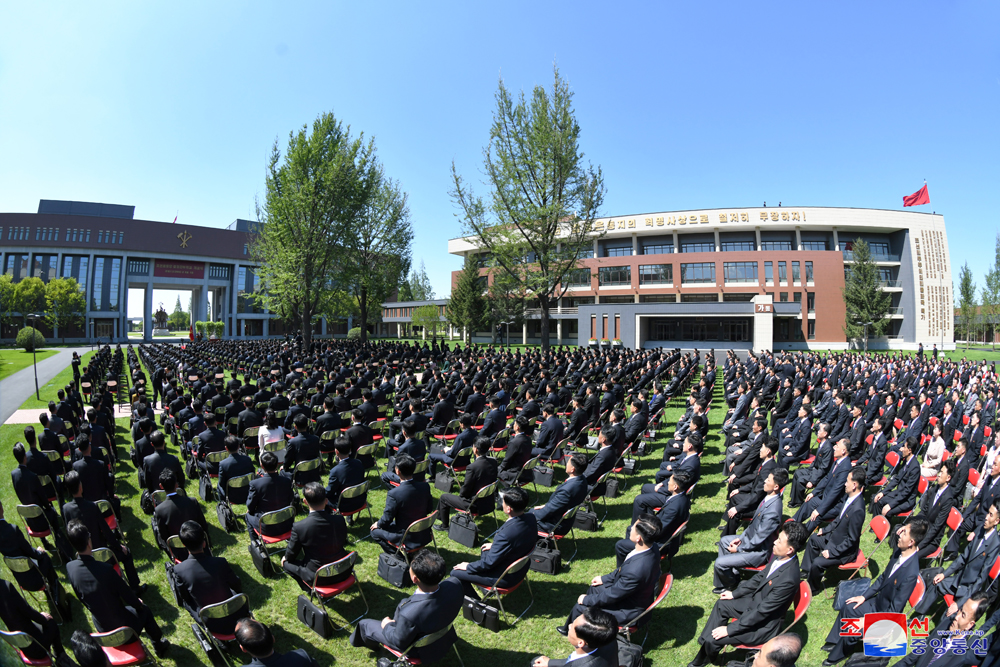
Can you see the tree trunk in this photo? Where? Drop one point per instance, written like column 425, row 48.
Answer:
column 306, row 330
column 363, row 310
column 544, row 303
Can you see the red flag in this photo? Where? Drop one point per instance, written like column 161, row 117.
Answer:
column 191, row 333
column 175, row 219
column 917, row 198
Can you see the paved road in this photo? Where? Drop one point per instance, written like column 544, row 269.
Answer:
column 17, row 388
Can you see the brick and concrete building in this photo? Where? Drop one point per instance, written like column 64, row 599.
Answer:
column 749, row 278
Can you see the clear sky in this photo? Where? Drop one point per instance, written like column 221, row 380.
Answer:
column 173, row 107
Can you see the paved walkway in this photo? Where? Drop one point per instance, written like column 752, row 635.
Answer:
column 17, row 388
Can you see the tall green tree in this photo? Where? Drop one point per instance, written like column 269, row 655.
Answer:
column 867, row 303
column 504, row 304
column 405, row 292
column 314, row 194
column 990, row 295
column 7, row 301
column 429, row 319
column 377, row 250
column 29, row 297
column 179, row 319
column 967, row 302
column 467, row 306
column 65, row 304
column 420, row 284
column 543, row 200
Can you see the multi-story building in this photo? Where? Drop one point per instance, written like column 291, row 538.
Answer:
column 761, row 278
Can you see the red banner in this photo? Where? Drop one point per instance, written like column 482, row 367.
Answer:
column 171, row 268
column 919, row 197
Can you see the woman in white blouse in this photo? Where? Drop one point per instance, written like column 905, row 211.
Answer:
column 934, row 455
column 272, row 431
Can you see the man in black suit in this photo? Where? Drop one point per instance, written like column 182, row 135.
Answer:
column 549, row 433
column 746, row 492
column 690, row 460
column 13, row 544
column 873, row 456
column 360, row 435
column 967, row 574
column 206, row 579
column 87, row 513
column 675, row 511
column 30, row 491
column 329, row 420
column 319, row 539
column 249, row 418
column 935, row 506
column 404, row 504
column 952, row 629
column 143, row 447
column 412, row 446
column 434, row 607
column 481, row 473
column 255, row 640
column 171, row 514
column 441, row 416
column 626, row 592
column 110, row 601
column 347, row 473
column 821, row 503
column 837, row 543
column 157, row 462
column 18, row 616
column 210, row 440
column 636, row 424
column 303, row 447
column 98, row 483
column 888, row 593
column 234, row 465
column 270, row 492
column 592, row 636
column 602, row 462
column 515, row 539
column 759, row 604
column 530, row 409
column 807, row 477
column 567, row 495
column 518, row 452
column 900, row 492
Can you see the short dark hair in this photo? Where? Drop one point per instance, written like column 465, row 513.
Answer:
column 598, row 627
column 168, row 480
column 858, row 476
column 72, row 481
column 780, row 476
column 315, row 494
column 254, row 637
column 86, row 650
column 647, row 525
column 269, row 461
column 342, row 445
column 481, row 445
column 405, row 465
column 950, row 466
column 78, row 535
column 232, row 444
column 19, row 452
column 579, row 462
column 192, row 534
column 429, row 567
column 797, row 535
column 301, row 422
column 918, row 528
column 982, row 600
column 682, row 478
column 786, row 652
column 516, row 498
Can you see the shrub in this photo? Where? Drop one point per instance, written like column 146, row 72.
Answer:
column 30, row 339
column 354, row 334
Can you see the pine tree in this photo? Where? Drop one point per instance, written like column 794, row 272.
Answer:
column 867, row 303
column 467, row 307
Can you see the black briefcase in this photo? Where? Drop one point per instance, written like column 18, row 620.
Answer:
column 629, row 654
column 444, row 481
column 849, row 589
column 205, row 488
column 611, row 488
column 544, row 476
column 546, row 558
column 260, row 559
column 481, row 614
column 463, row 530
column 146, row 502
column 393, row 568
column 586, row 521
column 630, row 466
column 314, row 617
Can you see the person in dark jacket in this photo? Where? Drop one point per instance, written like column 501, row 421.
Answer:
column 18, row 616
column 550, row 433
column 233, row 466
column 412, row 446
column 515, row 539
column 592, row 635
column 626, row 592
column 206, row 579
column 602, row 462
column 13, row 544
column 567, row 495
column 404, row 504
column 157, row 462
column 518, row 451
column 171, row 514
column 347, row 473
column 110, row 601
column 330, row 419
column 316, row 540
column 255, row 640
column 481, row 473
column 268, row 493
column 303, row 447
column 837, row 543
column 462, row 440
column 434, row 607
column 900, row 492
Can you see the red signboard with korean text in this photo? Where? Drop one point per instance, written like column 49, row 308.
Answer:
column 171, row 268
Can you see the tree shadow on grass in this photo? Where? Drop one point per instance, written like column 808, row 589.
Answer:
column 256, row 591
column 682, row 626
column 286, row 641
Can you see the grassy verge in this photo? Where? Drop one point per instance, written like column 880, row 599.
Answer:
column 48, row 392
column 673, row 631
column 11, row 361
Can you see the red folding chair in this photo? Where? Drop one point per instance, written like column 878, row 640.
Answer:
column 880, row 526
column 626, row 631
column 917, row 594
column 954, row 521
column 123, row 647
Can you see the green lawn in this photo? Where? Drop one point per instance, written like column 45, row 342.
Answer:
column 48, row 391
column 11, row 361
column 673, row 631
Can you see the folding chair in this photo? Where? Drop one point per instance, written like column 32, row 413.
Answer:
column 27, row 512
column 801, row 602
column 499, row 592
column 677, row 536
column 628, row 629
column 880, row 526
column 917, row 594
column 487, row 491
column 368, row 450
column 353, row 492
column 31, row 580
column 250, row 439
column 221, row 643
column 277, row 448
column 461, row 461
column 123, row 647
column 403, row 657
column 20, row 641
column 417, row 526
column 994, row 571
column 591, row 497
column 555, row 535
column 326, row 593
column 105, row 555
column 953, row 521
column 420, row 467
column 224, row 508
column 303, row 468
column 267, row 542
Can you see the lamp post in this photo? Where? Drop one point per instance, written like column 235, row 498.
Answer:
column 865, row 325
column 507, row 324
column 34, row 358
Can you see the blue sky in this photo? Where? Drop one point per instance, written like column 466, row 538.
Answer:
column 173, row 108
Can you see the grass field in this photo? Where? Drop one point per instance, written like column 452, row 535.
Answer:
column 673, row 631
column 48, row 391
column 11, row 361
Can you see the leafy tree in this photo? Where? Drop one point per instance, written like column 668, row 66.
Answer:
column 505, row 303
column 378, row 251
column 990, row 295
column 864, row 297
column 420, row 284
column 29, row 297
column 179, row 319
column 467, row 307
column 65, row 304
column 428, row 318
column 314, row 195
column 967, row 302
column 543, row 198
column 405, row 293
column 7, row 300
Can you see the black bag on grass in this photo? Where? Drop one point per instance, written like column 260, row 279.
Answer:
column 260, row 559
column 481, row 614
column 314, row 617
column 586, row 521
column 544, row 476
column 546, row 558
column 393, row 568
column 463, row 530
column 629, row 654
column 444, row 482
column 611, row 488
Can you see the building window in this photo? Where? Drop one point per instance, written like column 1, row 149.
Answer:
column 782, row 273
column 797, row 297
column 576, row 278
column 701, row 272
column 218, row 271
column 246, row 248
column 769, row 273
column 658, row 298
column 658, row 249
column 775, row 245
column 796, row 276
column 614, row 275
column 770, row 294
column 697, row 246
column 617, row 299
column 811, row 301
column 620, row 251
column 797, row 328
column 98, row 282
column 586, row 253
column 878, row 250
column 138, row 267
column 814, row 245
column 699, row 298
column 116, row 269
column 740, row 272
column 577, row 301
column 739, row 297
column 812, row 329
column 88, row 237
column 809, row 272
column 656, row 274
column 783, row 297
column 737, row 246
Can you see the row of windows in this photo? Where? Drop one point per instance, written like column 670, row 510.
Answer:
column 783, row 272
column 696, row 272
column 110, row 237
